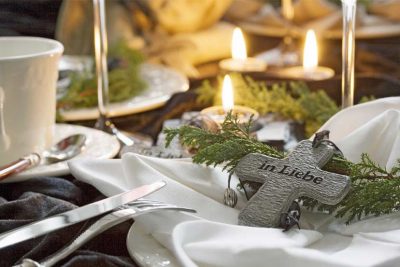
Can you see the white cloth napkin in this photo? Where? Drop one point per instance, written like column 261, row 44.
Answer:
column 214, row 244
column 212, row 238
column 372, row 127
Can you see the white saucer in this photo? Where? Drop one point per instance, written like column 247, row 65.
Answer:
column 99, row 145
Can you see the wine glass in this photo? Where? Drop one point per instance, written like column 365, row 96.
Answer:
column 100, row 48
column 286, row 53
column 289, row 53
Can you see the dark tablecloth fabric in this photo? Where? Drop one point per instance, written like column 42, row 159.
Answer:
column 25, row 202
column 28, row 17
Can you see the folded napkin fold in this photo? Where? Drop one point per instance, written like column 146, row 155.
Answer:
column 231, row 245
column 372, row 128
column 212, row 238
column 306, row 10
column 212, row 244
column 183, row 51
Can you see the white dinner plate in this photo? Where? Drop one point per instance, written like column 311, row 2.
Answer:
column 364, row 32
column 98, row 145
column 162, row 83
column 146, row 251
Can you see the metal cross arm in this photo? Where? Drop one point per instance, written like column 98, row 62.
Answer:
column 284, row 180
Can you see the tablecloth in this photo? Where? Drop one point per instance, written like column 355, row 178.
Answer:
column 25, row 202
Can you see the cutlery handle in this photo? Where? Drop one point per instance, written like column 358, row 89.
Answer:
column 100, row 226
column 19, row 165
column 95, row 229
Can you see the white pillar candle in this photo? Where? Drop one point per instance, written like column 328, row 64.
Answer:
column 239, row 61
column 310, row 69
column 218, row 113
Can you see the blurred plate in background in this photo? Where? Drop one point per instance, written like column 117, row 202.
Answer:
column 363, row 32
column 162, row 83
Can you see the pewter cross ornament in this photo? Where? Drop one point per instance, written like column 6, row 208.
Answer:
column 284, row 180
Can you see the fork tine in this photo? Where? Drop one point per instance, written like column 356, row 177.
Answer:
column 144, row 203
column 139, row 203
column 145, row 200
column 149, row 205
column 173, row 208
column 144, row 206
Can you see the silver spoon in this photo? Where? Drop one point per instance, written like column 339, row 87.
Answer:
column 65, row 149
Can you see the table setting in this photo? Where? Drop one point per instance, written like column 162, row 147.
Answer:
column 251, row 133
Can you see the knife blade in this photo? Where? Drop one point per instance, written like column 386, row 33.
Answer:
column 68, row 218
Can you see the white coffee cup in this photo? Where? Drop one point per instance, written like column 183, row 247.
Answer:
column 28, row 76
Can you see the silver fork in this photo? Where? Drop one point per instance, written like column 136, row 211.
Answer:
column 124, row 213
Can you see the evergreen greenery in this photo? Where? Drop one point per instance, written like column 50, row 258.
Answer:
column 292, row 100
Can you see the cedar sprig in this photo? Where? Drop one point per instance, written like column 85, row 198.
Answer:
column 226, row 147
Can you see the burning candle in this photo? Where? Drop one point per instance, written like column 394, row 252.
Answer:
column 239, row 61
column 310, row 54
column 218, row 113
column 310, row 69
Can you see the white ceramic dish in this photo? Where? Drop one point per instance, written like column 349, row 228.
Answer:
column 162, row 83
column 99, row 145
column 28, row 75
column 146, row 251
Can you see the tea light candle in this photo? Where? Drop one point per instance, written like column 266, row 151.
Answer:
column 310, row 69
column 239, row 61
column 218, row 113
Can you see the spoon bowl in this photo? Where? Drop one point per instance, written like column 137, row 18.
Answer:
column 65, row 149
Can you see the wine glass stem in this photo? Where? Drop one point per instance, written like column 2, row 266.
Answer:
column 100, row 49
column 348, row 52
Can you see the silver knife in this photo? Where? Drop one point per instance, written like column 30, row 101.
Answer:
column 68, row 218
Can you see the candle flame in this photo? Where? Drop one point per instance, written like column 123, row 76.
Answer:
column 238, row 45
column 310, row 55
column 227, row 94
